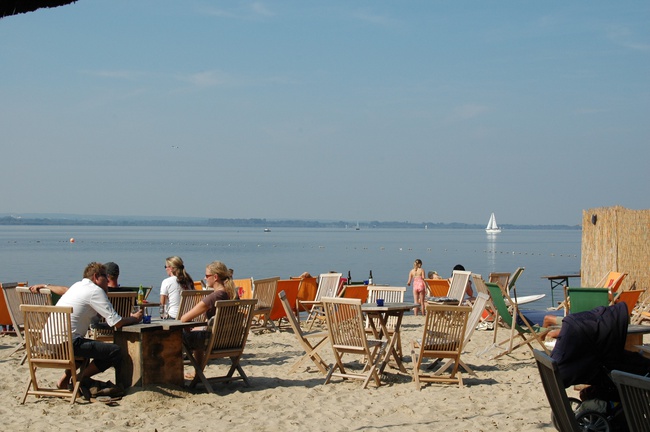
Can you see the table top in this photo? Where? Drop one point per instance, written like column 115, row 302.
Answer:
column 563, row 276
column 388, row 307
column 159, row 324
column 638, row 329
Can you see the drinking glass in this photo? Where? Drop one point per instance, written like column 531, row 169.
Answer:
column 163, row 311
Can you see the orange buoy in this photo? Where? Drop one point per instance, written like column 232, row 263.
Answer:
column 71, row 239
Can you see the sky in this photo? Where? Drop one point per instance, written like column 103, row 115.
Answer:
column 419, row 111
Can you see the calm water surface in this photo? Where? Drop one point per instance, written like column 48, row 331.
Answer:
column 44, row 254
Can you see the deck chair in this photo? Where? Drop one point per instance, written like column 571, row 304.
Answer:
column 612, row 280
column 189, row 299
column 527, row 332
column 458, row 285
column 48, row 340
column 123, row 303
column 442, row 338
column 437, row 287
column 390, row 295
column 244, row 287
column 229, row 331
column 328, row 286
column 265, row 291
column 512, row 281
column 347, row 335
column 634, row 391
column 355, row 291
column 500, row 278
column 556, row 393
column 581, row 299
column 12, row 303
column 311, row 349
column 630, row 298
column 475, row 316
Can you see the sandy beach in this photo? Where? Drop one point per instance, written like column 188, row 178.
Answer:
column 506, row 395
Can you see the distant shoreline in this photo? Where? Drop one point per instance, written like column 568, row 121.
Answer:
column 252, row 223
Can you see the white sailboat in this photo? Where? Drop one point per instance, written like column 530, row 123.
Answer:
column 492, row 226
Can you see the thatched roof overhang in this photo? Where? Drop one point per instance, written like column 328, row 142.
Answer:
column 15, row 7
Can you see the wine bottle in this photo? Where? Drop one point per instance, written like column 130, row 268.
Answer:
column 370, row 278
column 349, row 278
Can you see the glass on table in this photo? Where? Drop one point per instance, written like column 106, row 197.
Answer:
column 164, row 314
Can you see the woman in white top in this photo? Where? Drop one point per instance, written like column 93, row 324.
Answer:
column 170, row 289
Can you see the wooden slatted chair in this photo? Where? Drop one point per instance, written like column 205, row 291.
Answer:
column 348, row 336
column 48, row 337
column 123, row 303
column 328, row 286
column 390, row 295
column 477, row 310
column 311, row 349
column 500, row 278
column 442, row 338
column 634, row 391
column 265, row 291
column 12, row 303
column 229, row 331
column 189, row 299
column 42, row 297
column 458, row 285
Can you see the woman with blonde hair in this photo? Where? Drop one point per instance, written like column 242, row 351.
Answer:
column 170, row 289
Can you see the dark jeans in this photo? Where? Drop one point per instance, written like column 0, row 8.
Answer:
column 103, row 354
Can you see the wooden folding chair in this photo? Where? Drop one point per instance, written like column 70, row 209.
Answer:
column 48, row 341
column 265, row 291
column 390, row 295
column 12, row 304
column 229, row 331
column 458, row 285
column 442, row 338
column 42, row 297
column 189, row 299
column 328, row 286
column 311, row 349
column 348, row 336
column 123, row 303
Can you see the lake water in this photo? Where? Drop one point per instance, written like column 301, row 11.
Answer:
column 44, row 254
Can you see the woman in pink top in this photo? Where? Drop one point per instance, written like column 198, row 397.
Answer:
column 416, row 275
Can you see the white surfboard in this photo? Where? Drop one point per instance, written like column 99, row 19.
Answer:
column 529, row 298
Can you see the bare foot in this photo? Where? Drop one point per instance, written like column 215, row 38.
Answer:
column 64, row 381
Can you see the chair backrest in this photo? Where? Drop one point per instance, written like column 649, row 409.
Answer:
column 42, row 297
column 437, row 287
column 123, row 302
column 496, row 295
column 189, row 299
column 265, row 291
column 630, row 298
column 444, row 331
column 230, row 328
column 355, row 291
column 475, row 316
column 328, row 285
column 458, row 284
column 244, row 287
column 513, row 279
column 500, row 278
column 556, row 393
column 634, row 391
column 612, row 280
column 345, row 324
column 582, row 299
column 12, row 303
column 135, row 289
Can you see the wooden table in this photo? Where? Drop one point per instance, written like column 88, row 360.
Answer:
column 635, row 334
column 382, row 313
column 152, row 353
column 559, row 281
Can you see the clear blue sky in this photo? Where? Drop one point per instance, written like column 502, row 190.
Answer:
column 416, row 111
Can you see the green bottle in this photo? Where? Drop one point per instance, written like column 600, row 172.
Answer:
column 140, row 295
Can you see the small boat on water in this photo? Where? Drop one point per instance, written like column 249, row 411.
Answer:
column 267, row 229
column 492, row 227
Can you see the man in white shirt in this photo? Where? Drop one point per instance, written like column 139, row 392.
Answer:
column 88, row 298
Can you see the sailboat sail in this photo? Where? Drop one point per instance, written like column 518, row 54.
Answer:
column 492, row 226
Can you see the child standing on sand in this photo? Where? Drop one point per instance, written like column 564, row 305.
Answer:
column 416, row 275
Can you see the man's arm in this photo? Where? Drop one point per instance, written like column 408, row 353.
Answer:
column 135, row 318
column 56, row 289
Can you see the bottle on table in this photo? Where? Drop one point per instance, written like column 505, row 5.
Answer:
column 140, row 295
column 370, row 278
column 349, row 278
